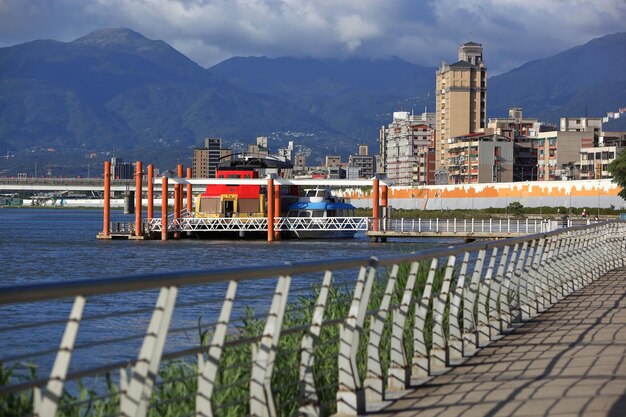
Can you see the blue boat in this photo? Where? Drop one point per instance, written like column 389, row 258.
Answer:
column 320, row 215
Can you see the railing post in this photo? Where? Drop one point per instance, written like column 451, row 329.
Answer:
column 470, row 327
column 455, row 338
column 437, row 357
column 308, row 394
column 420, row 363
column 537, row 283
column 261, row 397
column 350, row 395
column 398, row 375
column 374, row 383
column 484, row 336
column 136, row 390
column 495, row 317
column 528, row 298
column 520, row 297
column 207, row 369
column 46, row 404
column 505, row 291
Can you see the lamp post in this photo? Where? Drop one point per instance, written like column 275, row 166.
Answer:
column 532, row 173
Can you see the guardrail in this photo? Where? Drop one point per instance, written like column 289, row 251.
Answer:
column 333, row 336
column 207, row 224
column 464, row 226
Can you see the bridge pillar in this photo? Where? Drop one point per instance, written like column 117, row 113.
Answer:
column 276, row 210
column 107, row 201
column 189, row 194
column 138, row 192
column 163, row 208
column 270, row 209
column 150, row 213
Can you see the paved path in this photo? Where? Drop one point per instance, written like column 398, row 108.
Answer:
column 569, row 361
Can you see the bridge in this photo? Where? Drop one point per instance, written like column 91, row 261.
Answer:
column 486, row 328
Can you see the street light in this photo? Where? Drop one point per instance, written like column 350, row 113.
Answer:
column 532, row 172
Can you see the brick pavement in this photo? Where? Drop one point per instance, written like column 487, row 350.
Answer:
column 569, row 361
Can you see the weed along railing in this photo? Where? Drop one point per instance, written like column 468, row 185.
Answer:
column 316, row 338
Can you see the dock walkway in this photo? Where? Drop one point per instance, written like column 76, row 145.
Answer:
column 568, row 361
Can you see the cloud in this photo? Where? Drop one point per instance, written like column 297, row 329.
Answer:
column 423, row 32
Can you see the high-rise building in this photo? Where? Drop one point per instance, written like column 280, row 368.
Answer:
column 461, row 90
column 401, row 143
column 206, row 159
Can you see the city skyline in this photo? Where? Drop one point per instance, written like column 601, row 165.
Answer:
column 425, row 33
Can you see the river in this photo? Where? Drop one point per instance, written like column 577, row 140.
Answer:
column 53, row 245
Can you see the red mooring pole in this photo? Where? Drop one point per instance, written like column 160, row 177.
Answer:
column 270, row 209
column 276, row 210
column 189, row 194
column 138, row 199
column 375, row 213
column 106, row 217
column 164, row 208
column 178, row 191
column 384, row 198
column 150, row 213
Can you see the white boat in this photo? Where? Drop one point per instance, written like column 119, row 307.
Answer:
column 320, row 215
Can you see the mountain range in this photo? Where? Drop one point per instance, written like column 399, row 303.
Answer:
column 115, row 92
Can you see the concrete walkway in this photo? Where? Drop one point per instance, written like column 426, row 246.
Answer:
column 569, row 361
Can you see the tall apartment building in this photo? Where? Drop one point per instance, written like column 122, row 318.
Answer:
column 206, row 159
column 480, row 158
column 401, row 143
column 461, row 97
column 362, row 165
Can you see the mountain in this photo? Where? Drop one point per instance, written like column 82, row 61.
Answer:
column 353, row 96
column 114, row 89
column 116, row 92
column 585, row 80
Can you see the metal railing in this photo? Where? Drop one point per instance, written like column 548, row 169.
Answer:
column 315, row 350
column 206, row 224
column 464, row 226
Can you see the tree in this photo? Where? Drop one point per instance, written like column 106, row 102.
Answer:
column 617, row 168
column 515, row 208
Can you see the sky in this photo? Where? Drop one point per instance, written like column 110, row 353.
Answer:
column 512, row 32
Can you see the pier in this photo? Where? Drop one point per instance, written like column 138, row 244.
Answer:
column 517, row 326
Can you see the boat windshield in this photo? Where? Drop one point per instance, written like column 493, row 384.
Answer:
column 315, row 193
